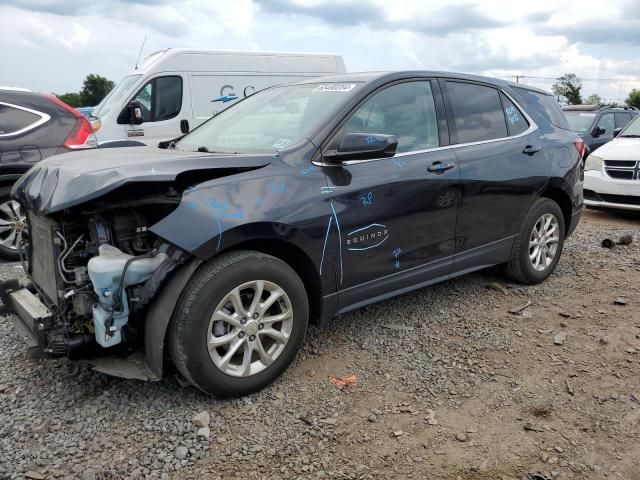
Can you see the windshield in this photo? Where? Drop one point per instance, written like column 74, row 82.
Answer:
column 632, row 130
column 579, row 121
column 115, row 96
column 270, row 120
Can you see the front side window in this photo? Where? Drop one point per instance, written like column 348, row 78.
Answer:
column 516, row 122
column 14, row 120
column 477, row 112
column 160, row 99
column 606, row 122
column 406, row 110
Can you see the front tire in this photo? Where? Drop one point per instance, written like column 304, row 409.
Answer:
column 239, row 323
column 538, row 247
column 12, row 223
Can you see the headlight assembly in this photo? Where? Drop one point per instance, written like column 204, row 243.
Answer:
column 593, row 163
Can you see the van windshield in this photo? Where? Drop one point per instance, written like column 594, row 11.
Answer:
column 270, row 120
column 115, row 95
column 632, row 130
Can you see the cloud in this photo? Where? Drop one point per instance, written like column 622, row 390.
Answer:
column 601, row 32
column 75, row 7
column 348, row 13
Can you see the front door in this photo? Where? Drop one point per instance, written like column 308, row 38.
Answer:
column 394, row 217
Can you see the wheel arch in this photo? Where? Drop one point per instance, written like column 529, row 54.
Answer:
column 563, row 200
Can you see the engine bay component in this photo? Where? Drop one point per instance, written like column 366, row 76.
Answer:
column 111, row 272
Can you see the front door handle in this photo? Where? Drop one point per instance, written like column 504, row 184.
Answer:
column 530, row 149
column 439, row 167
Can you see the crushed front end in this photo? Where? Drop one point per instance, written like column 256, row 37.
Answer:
column 93, row 274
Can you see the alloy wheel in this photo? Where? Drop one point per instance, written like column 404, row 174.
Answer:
column 543, row 242
column 12, row 224
column 250, row 328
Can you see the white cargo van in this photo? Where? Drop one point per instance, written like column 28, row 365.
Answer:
column 175, row 90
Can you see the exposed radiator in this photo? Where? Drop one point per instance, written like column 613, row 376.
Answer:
column 43, row 256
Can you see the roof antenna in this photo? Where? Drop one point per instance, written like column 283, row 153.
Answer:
column 140, row 53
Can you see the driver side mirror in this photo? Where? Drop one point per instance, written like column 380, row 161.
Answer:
column 598, row 131
column 131, row 114
column 363, row 146
column 616, row 132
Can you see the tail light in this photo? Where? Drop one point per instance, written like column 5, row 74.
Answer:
column 82, row 135
column 579, row 144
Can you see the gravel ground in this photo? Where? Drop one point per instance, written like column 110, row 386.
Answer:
column 449, row 385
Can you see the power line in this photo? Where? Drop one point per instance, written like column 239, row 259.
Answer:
column 531, row 77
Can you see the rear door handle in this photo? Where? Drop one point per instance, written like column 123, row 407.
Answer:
column 439, row 167
column 530, row 149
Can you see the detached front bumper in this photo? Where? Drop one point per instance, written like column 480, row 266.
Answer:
column 605, row 192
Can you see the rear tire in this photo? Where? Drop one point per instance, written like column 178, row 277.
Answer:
column 8, row 249
column 538, row 247
column 224, row 337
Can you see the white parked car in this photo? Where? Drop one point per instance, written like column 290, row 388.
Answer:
column 612, row 173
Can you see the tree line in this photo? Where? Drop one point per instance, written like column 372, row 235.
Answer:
column 94, row 89
column 569, row 88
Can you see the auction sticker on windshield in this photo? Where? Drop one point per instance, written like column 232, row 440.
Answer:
column 335, row 87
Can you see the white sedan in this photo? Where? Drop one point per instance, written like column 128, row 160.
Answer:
column 612, row 173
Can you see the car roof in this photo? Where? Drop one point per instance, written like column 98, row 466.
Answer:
column 594, row 108
column 381, row 77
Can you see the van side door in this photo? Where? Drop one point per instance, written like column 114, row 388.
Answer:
column 165, row 106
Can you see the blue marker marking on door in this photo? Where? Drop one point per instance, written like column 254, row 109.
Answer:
column 327, row 189
column 367, row 200
column 396, row 254
column 335, row 215
column 324, row 248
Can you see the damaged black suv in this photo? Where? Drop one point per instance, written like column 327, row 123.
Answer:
column 297, row 204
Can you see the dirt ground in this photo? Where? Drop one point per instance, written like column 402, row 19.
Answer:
column 456, row 381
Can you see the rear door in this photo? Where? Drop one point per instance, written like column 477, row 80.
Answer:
column 503, row 166
column 395, row 217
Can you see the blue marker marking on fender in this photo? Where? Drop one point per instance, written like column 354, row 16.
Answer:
column 219, row 234
column 398, row 162
column 259, row 203
column 324, row 247
column 335, row 215
column 277, row 187
column 396, row 254
column 367, row 200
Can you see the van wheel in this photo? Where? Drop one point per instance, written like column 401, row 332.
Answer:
column 537, row 248
column 239, row 323
column 13, row 222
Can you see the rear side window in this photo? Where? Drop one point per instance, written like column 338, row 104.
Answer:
column 622, row 119
column 546, row 105
column 477, row 112
column 160, row 98
column 13, row 120
column 516, row 123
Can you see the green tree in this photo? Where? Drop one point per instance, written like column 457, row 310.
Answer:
column 633, row 99
column 72, row 99
column 568, row 87
column 94, row 89
column 593, row 99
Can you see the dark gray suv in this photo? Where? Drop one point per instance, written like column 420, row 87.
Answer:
column 32, row 127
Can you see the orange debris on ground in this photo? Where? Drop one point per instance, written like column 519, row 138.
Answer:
column 344, row 381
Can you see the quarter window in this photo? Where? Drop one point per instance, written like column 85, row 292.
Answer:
column 516, row 123
column 477, row 112
column 13, row 120
column 606, row 122
column 160, row 98
column 406, row 110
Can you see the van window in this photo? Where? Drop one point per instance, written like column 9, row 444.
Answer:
column 477, row 112
column 406, row 110
column 13, row 120
column 160, row 98
column 516, row 123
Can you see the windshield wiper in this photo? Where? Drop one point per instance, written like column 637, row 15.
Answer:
column 631, row 135
column 203, row 150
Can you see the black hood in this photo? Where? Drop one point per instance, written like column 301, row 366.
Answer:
column 64, row 181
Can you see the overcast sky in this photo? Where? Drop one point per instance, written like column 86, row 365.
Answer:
column 50, row 45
